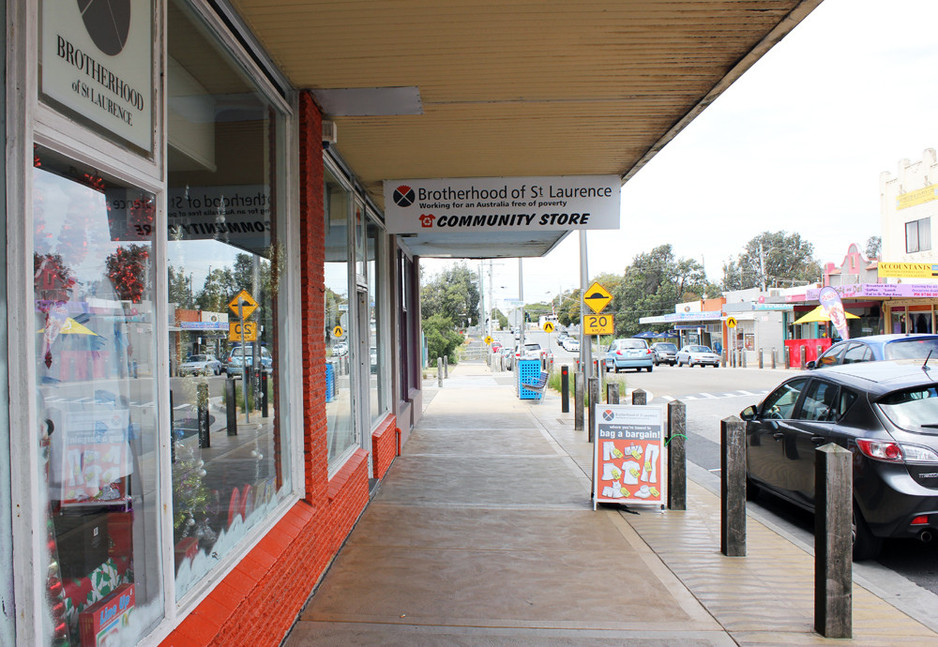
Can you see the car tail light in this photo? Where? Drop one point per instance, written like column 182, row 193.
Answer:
column 618, row 352
column 880, row 450
column 921, row 520
column 891, row 452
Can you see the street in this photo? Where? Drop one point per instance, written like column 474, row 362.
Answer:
column 712, row 394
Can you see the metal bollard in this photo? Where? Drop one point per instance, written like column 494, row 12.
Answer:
column 733, row 487
column 201, row 405
column 833, row 542
column 265, row 412
column 231, row 407
column 439, row 371
column 742, row 355
column 761, row 361
column 612, row 393
column 594, row 399
column 639, row 397
column 773, row 357
column 677, row 455
column 172, row 436
column 787, row 357
column 578, row 401
column 564, row 389
column 804, row 356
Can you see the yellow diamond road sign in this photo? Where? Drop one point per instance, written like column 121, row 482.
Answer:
column 597, row 297
column 248, row 304
column 730, row 322
column 548, row 326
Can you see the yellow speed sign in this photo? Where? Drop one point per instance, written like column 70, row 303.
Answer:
column 598, row 325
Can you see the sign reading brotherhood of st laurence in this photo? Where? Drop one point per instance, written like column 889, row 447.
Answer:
column 97, row 59
column 498, row 203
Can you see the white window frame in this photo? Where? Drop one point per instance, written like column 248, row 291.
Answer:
column 32, row 122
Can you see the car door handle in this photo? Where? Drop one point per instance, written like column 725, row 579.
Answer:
column 817, row 440
column 778, row 434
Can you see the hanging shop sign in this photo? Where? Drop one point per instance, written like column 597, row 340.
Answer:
column 472, row 205
column 628, row 455
column 97, row 60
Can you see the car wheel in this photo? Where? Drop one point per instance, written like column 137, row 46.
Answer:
column 649, row 368
column 865, row 544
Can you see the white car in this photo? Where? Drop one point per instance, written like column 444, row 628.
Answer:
column 570, row 344
column 697, row 354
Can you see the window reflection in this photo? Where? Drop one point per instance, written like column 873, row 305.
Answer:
column 340, row 436
column 223, row 271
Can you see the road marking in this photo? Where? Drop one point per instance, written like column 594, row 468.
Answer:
column 709, row 395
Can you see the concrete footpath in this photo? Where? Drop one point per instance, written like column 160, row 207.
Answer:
column 483, row 533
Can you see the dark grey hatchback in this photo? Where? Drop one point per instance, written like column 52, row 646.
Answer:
column 886, row 413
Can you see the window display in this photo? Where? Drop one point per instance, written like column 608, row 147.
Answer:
column 96, row 399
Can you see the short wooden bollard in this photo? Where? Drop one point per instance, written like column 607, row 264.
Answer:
column 594, row 399
column 612, row 393
column 833, row 542
column 439, row 371
column 578, row 401
column 677, row 456
column 446, row 367
column 733, row 487
column 639, row 397
column 564, row 389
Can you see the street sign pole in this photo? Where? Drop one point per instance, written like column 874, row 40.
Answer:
column 244, row 361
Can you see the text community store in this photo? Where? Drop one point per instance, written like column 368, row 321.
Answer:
column 201, row 306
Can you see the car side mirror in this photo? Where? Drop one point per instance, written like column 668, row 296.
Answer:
column 749, row 413
column 811, row 365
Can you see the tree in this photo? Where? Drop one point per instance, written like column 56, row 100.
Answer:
column 499, row 317
column 772, row 259
column 874, row 246
column 442, row 339
column 652, row 285
column 453, row 294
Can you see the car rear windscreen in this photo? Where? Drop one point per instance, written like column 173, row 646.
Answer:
column 911, row 349
column 912, row 408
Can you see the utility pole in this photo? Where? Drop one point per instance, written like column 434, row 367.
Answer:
column 586, row 349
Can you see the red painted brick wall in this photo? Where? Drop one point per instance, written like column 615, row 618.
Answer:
column 384, row 441
column 257, row 603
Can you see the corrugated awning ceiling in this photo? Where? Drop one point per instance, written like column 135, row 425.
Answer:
column 518, row 87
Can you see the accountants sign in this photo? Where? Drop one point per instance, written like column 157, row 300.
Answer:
column 472, row 205
column 97, row 59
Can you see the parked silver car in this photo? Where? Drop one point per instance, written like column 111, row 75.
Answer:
column 697, row 354
column 665, row 353
column 202, row 364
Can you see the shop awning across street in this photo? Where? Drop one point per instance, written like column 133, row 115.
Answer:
column 511, row 89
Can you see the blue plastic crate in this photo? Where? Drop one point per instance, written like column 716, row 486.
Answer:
column 529, row 370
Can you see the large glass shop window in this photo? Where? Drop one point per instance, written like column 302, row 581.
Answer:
column 377, row 387
column 96, row 402
column 340, row 434
column 224, row 272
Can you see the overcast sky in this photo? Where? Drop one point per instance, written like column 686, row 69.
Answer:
column 797, row 144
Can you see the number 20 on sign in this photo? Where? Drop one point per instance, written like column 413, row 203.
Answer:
column 598, row 325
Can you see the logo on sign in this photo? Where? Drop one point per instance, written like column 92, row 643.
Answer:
column 608, row 415
column 404, row 196
column 108, row 24
column 426, row 220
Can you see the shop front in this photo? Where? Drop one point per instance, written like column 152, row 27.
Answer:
column 200, row 324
